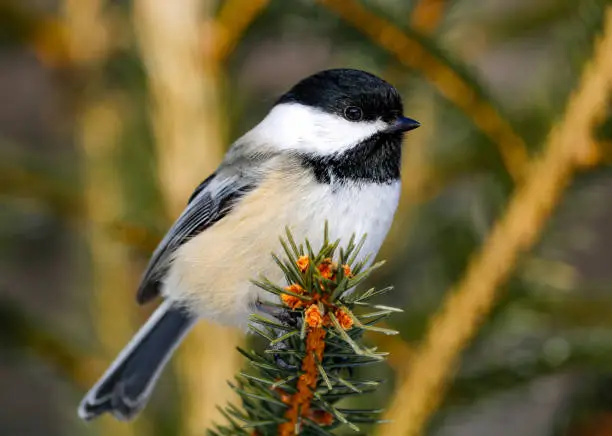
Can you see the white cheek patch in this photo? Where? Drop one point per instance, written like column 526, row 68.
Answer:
column 292, row 126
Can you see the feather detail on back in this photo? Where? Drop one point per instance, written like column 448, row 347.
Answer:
column 210, row 202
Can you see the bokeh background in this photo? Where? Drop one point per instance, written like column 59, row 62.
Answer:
column 111, row 112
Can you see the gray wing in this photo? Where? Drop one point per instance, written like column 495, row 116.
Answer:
column 209, row 203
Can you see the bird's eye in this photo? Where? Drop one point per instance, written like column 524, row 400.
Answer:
column 353, row 113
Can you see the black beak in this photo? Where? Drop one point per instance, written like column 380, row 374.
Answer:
column 404, row 124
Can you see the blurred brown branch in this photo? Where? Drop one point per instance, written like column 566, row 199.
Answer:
column 21, row 23
column 468, row 303
column 413, row 54
column 65, row 202
column 21, row 181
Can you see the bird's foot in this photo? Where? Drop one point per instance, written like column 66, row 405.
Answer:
column 285, row 316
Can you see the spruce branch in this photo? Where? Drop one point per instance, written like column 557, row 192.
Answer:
column 313, row 347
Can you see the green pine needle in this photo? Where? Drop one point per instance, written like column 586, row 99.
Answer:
column 267, row 387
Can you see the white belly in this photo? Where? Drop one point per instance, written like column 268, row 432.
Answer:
column 211, row 273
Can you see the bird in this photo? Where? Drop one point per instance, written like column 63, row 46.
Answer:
column 328, row 151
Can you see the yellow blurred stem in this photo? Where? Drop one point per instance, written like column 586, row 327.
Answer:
column 182, row 52
column 99, row 127
column 228, row 27
column 470, row 301
column 423, row 182
column 113, row 300
column 413, row 54
column 427, row 14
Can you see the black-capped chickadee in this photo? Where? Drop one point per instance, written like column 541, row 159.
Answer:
column 330, row 149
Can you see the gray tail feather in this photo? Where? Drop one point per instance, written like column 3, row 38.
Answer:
column 126, row 386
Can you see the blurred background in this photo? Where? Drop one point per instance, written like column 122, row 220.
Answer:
column 111, row 112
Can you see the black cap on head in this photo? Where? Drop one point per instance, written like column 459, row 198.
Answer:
column 352, row 94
